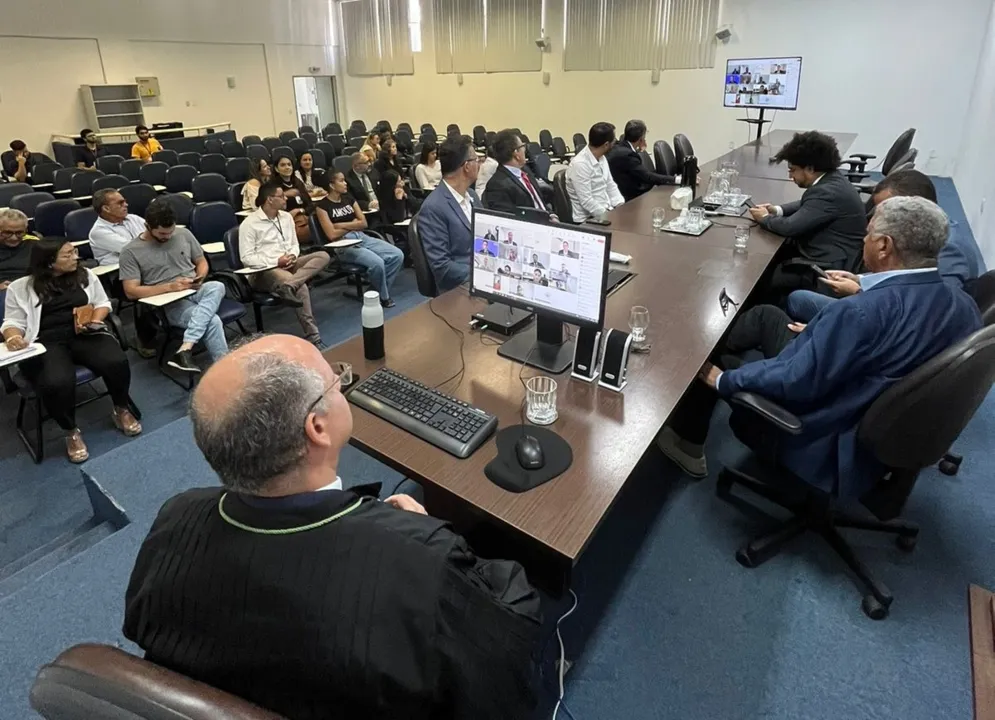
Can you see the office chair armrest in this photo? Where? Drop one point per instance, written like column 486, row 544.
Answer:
column 236, row 286
column 856, row 177
column 855, row 165
column 865, row 188
column 769, row 411
column 863, row 156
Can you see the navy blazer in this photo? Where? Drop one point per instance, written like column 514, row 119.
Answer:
column 852, row 351
column 446, row 237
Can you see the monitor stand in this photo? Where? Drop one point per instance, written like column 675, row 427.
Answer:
column 543, row 348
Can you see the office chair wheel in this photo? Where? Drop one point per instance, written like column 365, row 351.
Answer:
column 873, row 608
column 744, row 558
column 906, row 542
column 950, row 464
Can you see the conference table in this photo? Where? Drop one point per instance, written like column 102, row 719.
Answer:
column 753, row 159
column 678, row 278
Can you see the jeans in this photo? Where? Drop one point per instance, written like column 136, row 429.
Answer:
column 381, row 260
column 803, row 305
column 198, row 314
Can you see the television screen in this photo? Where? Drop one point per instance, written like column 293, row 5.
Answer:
column 763, row 83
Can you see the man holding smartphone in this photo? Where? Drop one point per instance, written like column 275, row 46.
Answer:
column 166, row 259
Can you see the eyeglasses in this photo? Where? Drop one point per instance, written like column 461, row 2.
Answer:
column 13, row 233
column 313, row 405
column 725, row 301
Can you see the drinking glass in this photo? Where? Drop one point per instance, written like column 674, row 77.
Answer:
column 639, row 322
column 540, row 400
column 696, row 219
column 742, row 236
column 659, row 218
column 344, row 371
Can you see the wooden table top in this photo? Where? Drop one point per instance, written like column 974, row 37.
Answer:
column 753, row 159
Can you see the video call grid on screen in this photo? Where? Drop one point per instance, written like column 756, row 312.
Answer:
column 763, row 83
column 544, row 266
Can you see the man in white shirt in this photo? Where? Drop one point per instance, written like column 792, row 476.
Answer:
column 590, row 185
column 267, row 241
column 114, row 227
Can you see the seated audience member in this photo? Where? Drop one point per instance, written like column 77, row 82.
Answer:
column 371, row 148
column 298, row 199
column 62, row 305
column 830, row 371
column 15, row 248
column 445, row 216
column 626, row 164
column 590, row 186
column 266, row 239
column 428, row 171
column 394, row 201
column 87, row 152
column 146, row 146
column 20, row 167
column 827, row 225
column 513, row 185
column 114, row 227
column 259, row 172
column 165, row 259
column 387, row 160
column 488, row 167
column 311, row 600
column 342, row 217
column 308, row 175
column 360, row 185
column 958, row 262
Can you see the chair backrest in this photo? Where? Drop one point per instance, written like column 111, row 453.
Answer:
column 532, row 149
column 232, row 253
column 50, row 217
column 213, row 163
column 181, row 204
column 64, row 177
column 561, row 198
column 982, row 289
column 333, row 129
column 299, row 146
column 491, row 135
column 284, row 151
column 110, row 181
column 254, row 152
column 318, row 158
column 580, row 142
column 559, row 147
column 305, row 129
column 110, row 164
column 541, row 164
column 81, row 184
column 270, row 142
column 427, row 127
column 355, row 135
column 646, row 160
column 479, row 135
column 906, row 162
column 286, row 136
column 180, row 178
column 170, row 157
column 682, row 148
column 525, row 138
column 210, row 220
column 545, row 139
column 428, row 138
column 359, row 124
column 384, row 125
column 327, row 149
column 213, row 146
column 413, row 178
column 452, row 129
column 339, row 143
column 153, row 173
column 45, row 172
column 406, row 127
column 251, row 140
column 209, row 187
column 11, row 190
column 235, row 195
column 233, row 149
column 405, row 143
column 311, row 138
column 423, row 273
column 902, row 144
column 76, row 224
column 238, row 169
column 343, row 163
column 100, row 682
column 27, row 202
column 190, row 158
column 666, row 161
column 130, row 169
column 138, row 197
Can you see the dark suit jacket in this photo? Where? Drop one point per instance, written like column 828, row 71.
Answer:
column 827, row 226
column 357, row 190
column 852, row 351
column 505, row 192
column 446, row 237
column 632, row 177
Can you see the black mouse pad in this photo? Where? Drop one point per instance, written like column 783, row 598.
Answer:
column 504, row 470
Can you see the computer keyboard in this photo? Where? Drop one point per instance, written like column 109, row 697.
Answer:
column 435, row 417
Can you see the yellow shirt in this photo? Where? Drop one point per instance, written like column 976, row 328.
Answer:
column 140, row 151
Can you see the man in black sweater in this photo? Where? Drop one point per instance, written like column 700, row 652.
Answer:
column 626, row 163
column 310, row 600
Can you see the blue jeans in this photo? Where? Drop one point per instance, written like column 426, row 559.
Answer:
column 382, row 260
column 803, row 305
column 198, row 315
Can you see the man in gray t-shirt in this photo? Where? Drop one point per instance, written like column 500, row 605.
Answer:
column 167, row 259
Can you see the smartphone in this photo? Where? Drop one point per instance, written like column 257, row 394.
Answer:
column 749, row 203
column 596, row 221
column 819, row 271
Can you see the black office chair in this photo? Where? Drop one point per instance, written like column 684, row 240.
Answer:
column 62, row 180
column 355, row 136
column 327, row 148
column 241, row 290
column 560, row 151
column 170, row 157
column 305, row 129
column 130, row 169
column 453, row 130
column 480, row 136
column 343, row 163
column 138, row 197
column 666, row 161
column 299, row 146
column 213, row 146
column 81, row 184
column 233, row 149
column 338, row 142
column 109, row 164
column 284, row 151
column 182, row 206
column 251, row 140
column 209, row 187
column 270, row 142
column 580, row 142
column 153, row 173
column 532, row 149
column 210, row 221
column 254, row 152
column 311, row 138
column 238, row 169
column 110, row 181
column 179, row 178
column 354, row 274
column 909, row 427
column 332, row 129
column 866, row 187
column 385, row 125
column 423, row 273
column 190, row 158
column 286, row 136
column 213, row 163
column 27, row 202
column 540, row 165
column 405, row 143
column 76, row 224
column 414, row 187
column 44, row 173
column 682, row 148
column 546, row 141
column 647, row 161
column 235, row 195
column 406, row 127
column 8, row 191
column 561, row 198
column 858, row 161
column 359, row 124
column 318, row 159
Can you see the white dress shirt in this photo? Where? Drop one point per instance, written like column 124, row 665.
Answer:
column 464, row 202
column 108, row 239
column 590, row 186
column 487, row 169
column 262, row 241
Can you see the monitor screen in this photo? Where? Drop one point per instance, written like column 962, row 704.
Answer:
column 763, row 83
column 554, row 269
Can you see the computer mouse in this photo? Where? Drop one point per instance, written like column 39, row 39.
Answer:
column 529, row 453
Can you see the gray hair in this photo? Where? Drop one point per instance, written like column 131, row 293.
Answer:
column 100, row 198
column 12, row 215
column 918, row 227
column 260, row 435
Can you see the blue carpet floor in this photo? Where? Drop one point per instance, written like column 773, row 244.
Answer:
column 668, row 626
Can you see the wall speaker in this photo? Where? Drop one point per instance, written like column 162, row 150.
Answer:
column 614, row 360
column 587, row 354
column 390, row 80
column 231, row 82
column 459, row 78
column 723, row 33
column 655, row 76
column 545, row 78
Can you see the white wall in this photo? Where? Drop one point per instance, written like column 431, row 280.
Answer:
column 48, row 48
column 874, row 68
column 975, row 172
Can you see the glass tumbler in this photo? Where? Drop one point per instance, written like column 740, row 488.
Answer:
column 659, row 218
column 540, row 400
column 742, row 236
column 639, row 322
column 696, row 219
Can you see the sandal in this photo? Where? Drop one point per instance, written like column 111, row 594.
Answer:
column 76, row 448
column 126, row 422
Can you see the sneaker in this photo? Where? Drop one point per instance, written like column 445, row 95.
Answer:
column 183, row 360
column 689, row 458
column 287, row 295
column 388, row 303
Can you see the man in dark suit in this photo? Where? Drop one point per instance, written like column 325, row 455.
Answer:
column 826, row 227
column 360, row 184
column 626, row 164
column 830, row 371
column 444, row 218
column 513, row 185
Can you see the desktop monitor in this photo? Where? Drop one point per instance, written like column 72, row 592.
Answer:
column 763, row 83
column 556, row 271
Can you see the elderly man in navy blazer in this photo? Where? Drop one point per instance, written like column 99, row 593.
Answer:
column 852, row 351
column 445, row 216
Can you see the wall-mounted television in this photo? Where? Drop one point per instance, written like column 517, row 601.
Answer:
column 763, row 83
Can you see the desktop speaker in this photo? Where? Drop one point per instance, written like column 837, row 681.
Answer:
column 587, row 351
column 614, row 360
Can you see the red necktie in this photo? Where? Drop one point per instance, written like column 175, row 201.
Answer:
column 535, row 196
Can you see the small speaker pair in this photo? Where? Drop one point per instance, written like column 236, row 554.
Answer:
column 614, row 357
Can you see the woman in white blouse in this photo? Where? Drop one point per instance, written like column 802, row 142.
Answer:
column 259, row 172
column 427, row 172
